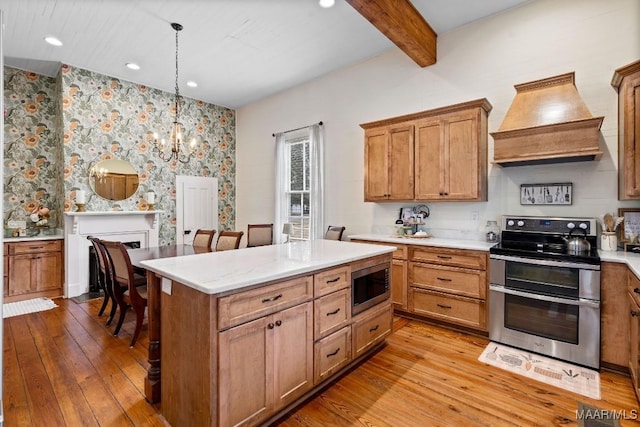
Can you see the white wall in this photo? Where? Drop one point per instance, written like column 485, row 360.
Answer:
column 482, row 59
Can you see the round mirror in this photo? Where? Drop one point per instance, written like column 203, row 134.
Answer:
column 113, row 179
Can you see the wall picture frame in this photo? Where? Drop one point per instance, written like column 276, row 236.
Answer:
column 631, row 223
column 557, row 193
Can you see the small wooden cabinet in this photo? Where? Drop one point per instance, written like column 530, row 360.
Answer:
column 33, row 269
column 388, row 153
column 614, row 347
column 449, row 285
column 626, row 80
column 438, row 154
column 265, row 364
column 634, row 339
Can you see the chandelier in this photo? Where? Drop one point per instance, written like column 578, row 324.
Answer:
column 174, row 148
column 98, row 173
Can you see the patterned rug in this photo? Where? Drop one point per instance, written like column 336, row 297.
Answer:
column 549, row 371
column 29, row 306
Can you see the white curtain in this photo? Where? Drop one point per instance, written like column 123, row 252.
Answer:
column 316, row 196
column 281, row 185
column 316, row 175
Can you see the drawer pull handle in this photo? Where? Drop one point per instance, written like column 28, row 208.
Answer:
column 444, row 279
column 278, row 322
column 636, row 290
column 336, row 311
column 277, row 297
column 375, row 328
column 444, row 306
column 634, row 313
column 270, row 326
column 334, row 353
column 333, row 280
column 35, row 247
column 444, row 257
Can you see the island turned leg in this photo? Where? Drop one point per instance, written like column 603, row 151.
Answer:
column 152, row 382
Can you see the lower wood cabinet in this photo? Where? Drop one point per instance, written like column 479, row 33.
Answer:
column 614, row 332
column 371, row 327
column 33, row 269
column 332, row 353
column 634, row 339
column 265, row 364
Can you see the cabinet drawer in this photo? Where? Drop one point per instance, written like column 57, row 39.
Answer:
column 36, row 246
column 244, row 306
column 332, row 280
column 332, row 353
column 371, row 327
column 400, row 253
column 332, row 312
column 450, row 308
column 470, row 283
column 453, row 257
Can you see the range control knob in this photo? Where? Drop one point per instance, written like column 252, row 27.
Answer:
column 520, row 223
column 583, row 226
column 571, row 226
column 510, row 223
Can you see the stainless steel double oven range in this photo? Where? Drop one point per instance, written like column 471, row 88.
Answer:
column 544, row 298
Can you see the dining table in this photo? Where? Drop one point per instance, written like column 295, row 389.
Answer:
column 136, row 255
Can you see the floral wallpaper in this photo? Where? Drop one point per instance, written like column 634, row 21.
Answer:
column 98, row 117
column 32, row 150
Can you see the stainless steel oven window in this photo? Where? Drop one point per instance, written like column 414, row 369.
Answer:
column 546, row 319
column 543, row 280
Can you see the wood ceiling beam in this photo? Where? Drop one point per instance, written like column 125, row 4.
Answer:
column 403, row 25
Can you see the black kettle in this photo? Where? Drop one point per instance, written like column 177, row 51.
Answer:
column 577, row 245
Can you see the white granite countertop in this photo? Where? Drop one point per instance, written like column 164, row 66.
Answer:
column 217, row 272
column 429, row 241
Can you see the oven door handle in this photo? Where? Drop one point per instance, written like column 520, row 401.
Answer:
column 580, row 302
column 546, row 262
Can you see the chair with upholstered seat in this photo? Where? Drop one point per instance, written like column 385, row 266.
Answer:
column 127, row 287
column 229, row 240
column 259, row 235
column 104, row 280
column 203, row 238
column 334, row 233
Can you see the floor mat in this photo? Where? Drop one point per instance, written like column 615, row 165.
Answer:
column 29, row 306
column 544, row 369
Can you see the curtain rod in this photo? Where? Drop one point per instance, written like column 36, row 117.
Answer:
column 293, row 130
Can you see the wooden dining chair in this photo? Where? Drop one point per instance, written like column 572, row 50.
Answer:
column 103, row 280
column 203, row 238
column 229, row 240
column 259, row 235
column 334, row 233
column 128, row 289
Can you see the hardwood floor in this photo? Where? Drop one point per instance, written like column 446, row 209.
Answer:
column 63, row 367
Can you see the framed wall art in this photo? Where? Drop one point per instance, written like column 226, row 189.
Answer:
column 630, row 225
column 546, row 194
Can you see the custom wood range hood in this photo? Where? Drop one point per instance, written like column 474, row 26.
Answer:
column 548, row 122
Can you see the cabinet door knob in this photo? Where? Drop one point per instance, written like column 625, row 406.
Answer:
column 270, row 326
column 634, row 313
column 636, row 290
column 278, row 322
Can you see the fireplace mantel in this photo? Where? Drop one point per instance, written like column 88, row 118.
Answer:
column 139, row 226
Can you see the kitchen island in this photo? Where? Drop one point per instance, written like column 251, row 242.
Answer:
column 239, row 337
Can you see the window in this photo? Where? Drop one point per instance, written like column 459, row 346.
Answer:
column 299, row 185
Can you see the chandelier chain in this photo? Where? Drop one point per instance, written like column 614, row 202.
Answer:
column 178, row 98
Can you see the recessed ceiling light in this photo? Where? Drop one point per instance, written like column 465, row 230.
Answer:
column 191, row 83
column 132, row 66
column 53, row 41
column 326, row 3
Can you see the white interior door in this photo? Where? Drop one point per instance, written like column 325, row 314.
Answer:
column 196, row 206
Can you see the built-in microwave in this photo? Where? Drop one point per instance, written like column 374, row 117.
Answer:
column 369, row 286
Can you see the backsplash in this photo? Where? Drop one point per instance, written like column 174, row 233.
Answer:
column 32, row 148
column 87, row 117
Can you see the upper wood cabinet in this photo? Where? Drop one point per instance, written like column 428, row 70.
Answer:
column 389, row 163
column 626, row 80
column 438, row 154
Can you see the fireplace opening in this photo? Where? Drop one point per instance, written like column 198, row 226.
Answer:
column 94, row 267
